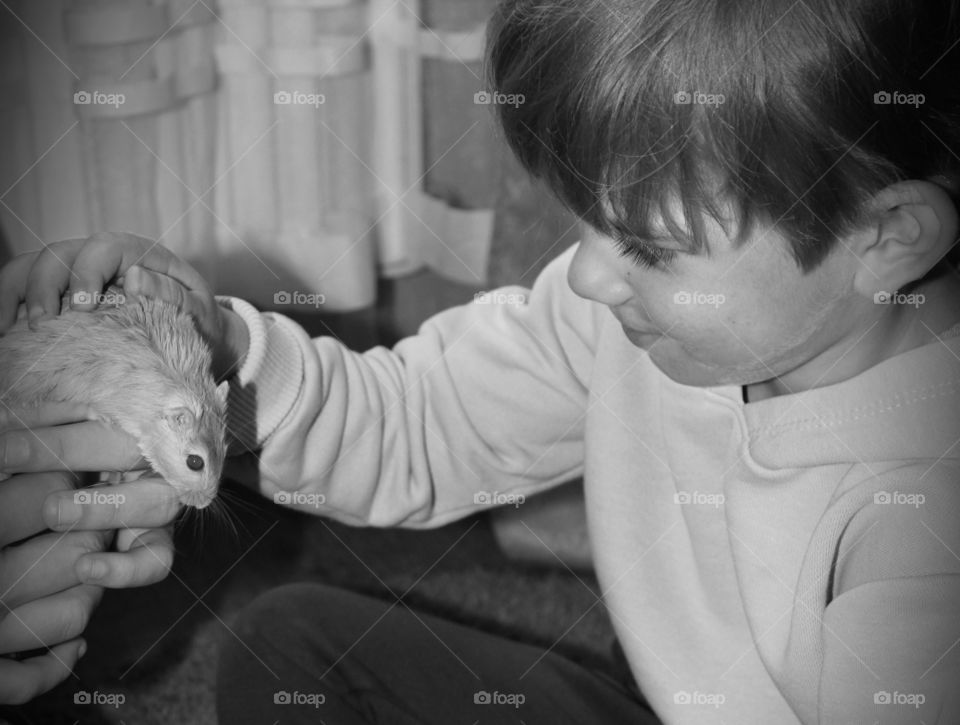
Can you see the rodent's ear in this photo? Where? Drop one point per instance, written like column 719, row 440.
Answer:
column 180, row 419
column 223, row 390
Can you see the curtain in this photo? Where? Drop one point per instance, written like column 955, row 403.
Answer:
column 292, row 150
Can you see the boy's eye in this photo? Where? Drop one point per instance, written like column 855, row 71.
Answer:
column 644, row 255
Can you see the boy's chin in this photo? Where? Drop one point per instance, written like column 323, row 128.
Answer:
column 682, row 369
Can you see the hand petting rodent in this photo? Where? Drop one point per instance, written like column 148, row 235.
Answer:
column 142, row 267
column 140, row 365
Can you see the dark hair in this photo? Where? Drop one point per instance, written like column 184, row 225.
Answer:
column 803, row 136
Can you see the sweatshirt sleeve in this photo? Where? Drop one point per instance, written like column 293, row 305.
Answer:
column 487, row 398
column 891, row 634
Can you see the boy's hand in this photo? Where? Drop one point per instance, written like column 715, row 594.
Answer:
column 39, row 279
column 46, row 591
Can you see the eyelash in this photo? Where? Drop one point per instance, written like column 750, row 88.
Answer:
column 644, row 255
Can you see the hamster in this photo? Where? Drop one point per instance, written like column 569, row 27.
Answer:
column 140, row 365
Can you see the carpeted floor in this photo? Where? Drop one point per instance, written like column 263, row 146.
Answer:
column 157, row 645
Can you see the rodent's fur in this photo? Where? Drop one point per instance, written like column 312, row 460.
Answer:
column 142, row 366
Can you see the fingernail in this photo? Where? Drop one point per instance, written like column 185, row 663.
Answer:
column 15, row 451
column 68, row 511
column 36, row 316
column 82, row 651
column 95, row 569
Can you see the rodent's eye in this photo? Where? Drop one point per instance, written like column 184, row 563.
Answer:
column 194, row 462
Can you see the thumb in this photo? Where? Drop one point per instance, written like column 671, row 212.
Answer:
column 21, row 681
column 138, row 281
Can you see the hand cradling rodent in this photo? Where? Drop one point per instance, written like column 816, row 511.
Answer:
column 139, row 364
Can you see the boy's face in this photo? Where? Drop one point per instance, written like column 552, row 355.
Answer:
column 741, row 314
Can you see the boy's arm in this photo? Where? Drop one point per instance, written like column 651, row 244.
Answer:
column 486, row 397
column 891, row 635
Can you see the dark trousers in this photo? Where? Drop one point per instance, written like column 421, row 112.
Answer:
column 307, row 653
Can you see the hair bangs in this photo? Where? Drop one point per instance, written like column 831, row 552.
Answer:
column 613, row 134
column 647, row 118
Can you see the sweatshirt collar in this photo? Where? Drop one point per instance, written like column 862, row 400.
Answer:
column 906, row 407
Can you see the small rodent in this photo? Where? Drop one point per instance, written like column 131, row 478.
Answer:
column 141, row 365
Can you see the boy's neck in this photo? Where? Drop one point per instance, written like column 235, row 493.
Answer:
column 900, row 329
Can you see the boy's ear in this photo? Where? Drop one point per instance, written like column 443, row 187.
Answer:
column 917, row 225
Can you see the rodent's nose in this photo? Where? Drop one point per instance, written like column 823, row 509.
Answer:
column 194, row 462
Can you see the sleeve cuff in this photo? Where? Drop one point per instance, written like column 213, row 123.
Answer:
column 267, row 385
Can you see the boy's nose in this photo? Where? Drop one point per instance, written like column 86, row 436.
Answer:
column 596, row 271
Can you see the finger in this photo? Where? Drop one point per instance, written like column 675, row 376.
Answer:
column 110, row 255
column 200, row 304
column 147, row 502
column 21, row 503
column 22, row 681
column 144, row 558
column 13, row 275
column 38, row 416
column 142, row 282
column 88, row 446
column 50, row 620
column 49, row 278
column 45, row 565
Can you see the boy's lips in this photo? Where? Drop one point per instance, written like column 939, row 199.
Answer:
column 641, row 338
column 634, row 330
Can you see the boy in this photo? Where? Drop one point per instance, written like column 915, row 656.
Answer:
column 752, row 355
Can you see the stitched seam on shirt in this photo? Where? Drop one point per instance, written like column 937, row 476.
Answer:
column 910, row 397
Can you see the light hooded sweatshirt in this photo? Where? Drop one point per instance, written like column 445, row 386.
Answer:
column 790, row 560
